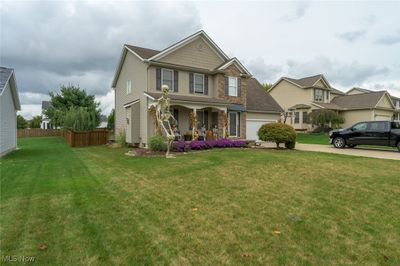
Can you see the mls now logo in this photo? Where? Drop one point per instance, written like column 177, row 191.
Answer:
column 24, row 259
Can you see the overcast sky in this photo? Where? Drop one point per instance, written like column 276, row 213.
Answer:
column 50, row 43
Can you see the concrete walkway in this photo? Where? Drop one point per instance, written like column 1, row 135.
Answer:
column 363, row 152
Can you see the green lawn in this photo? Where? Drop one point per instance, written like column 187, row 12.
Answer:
column 313, row 138
column 96, row 206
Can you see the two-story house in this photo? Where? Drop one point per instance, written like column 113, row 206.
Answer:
column 299, row 97
column 203, row 81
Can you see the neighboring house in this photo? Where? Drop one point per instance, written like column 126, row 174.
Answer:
column 202, row 79
column 395, row 100
column 9, row 105
column 299, row 97
column 45, row 120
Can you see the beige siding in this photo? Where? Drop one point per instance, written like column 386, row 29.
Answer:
column 320, row 83
column 385, row 102
column 8, row 122
column 352, row 117
column 183, row 83
column 195, row 54
column 135, row 70
column 288, row 95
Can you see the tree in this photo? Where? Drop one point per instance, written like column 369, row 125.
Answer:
column 326, row 118
column 111, row 119
column 71, row 97
column 21, row 122
column 35, row 122
column 278, row 133
column 267, row 86
column 80, row 119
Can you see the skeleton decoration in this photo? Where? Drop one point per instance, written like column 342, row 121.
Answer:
column 164, row 117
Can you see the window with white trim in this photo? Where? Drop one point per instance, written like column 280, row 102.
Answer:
column 167, row 78
column 198, row 80
column 232, row 86
column 128, row 86
column 318, row 95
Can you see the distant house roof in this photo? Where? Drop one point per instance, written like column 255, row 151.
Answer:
column 144, row 53
column 359, row 101
column 7, row 76
column 336, row 91
column 259, row 100
column 305, row 82
column 300, row 106
column 45, row 105
column 359, row 89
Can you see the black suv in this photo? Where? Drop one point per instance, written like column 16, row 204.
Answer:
column 382, row 133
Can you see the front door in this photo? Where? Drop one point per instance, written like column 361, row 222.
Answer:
column 358, row 136
column 234, row 124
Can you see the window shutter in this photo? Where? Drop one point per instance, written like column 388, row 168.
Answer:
column 191, row 89
column 158, row 79
column 206, row 119
column 238, row 87
column 176, row 81
column 226, row 86
column 206, row 84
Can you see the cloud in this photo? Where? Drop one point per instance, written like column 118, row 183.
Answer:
column 393, row 86
column 78, row 42
column 263, row 72
column 338, row 72
column 389, row 39
column 352, row 35
column 297, row 11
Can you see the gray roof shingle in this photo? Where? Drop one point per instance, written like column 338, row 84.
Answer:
column 5, row 74
column 259, row 100
column 144, row 53
column 359, row 101
column 305, row 82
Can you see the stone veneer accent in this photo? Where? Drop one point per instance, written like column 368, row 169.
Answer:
column 232, row 71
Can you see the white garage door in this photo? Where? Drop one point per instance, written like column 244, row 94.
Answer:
column 252, row 126
column 383, row 118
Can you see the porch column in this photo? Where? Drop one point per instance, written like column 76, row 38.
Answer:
column 194, row 122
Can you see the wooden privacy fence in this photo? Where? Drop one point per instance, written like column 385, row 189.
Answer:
column 37, row 132
column 86, row 138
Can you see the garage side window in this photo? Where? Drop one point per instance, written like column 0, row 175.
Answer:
column 128, row 86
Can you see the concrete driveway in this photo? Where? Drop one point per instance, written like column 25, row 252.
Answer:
column 363, row 152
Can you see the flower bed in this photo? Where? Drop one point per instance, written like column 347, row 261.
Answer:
column 181, row 146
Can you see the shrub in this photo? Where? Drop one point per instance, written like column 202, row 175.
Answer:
column 277, row 132
column 290, row 145
column 121, row 138
column 157, row 143
column 181, row 145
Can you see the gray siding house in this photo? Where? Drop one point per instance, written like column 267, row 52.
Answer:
column 9, row 105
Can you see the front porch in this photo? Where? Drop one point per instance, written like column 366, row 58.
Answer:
column 203, row 121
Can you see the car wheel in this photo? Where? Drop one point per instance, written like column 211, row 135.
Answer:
column 351, row 145
column 339, row 142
